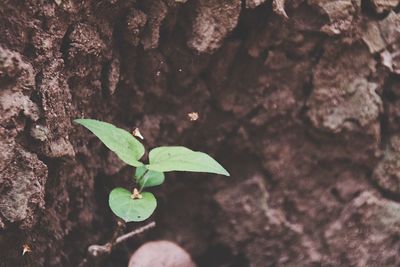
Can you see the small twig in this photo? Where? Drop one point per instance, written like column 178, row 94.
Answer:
column 99, row 250
column 140, row 230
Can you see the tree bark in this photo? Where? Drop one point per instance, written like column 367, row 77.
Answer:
column 300, row 100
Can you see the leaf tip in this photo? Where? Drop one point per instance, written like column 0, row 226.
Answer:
column 226, row 173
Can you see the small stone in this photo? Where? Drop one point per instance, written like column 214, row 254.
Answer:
column 160, row 254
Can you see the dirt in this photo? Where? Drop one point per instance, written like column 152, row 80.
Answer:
column 298, row 99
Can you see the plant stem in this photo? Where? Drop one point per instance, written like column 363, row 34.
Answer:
column 141, row 176
column 145, row 181
column 99, row 250
column 120, row 228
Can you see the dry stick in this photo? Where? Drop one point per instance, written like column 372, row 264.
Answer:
column 140, row 230
column 98, row 250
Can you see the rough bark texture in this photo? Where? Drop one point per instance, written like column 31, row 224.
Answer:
column 300, row 100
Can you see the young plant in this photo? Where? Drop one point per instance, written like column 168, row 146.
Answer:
column 136, row 205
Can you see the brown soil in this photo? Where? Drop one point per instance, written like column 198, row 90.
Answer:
column 300, row 100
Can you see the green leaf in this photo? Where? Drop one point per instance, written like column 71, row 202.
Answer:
column 127, row 148
column 179, row 158
column 151, row 178
column 131, row 210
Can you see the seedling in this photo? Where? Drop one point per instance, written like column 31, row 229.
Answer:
column 137, row 205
